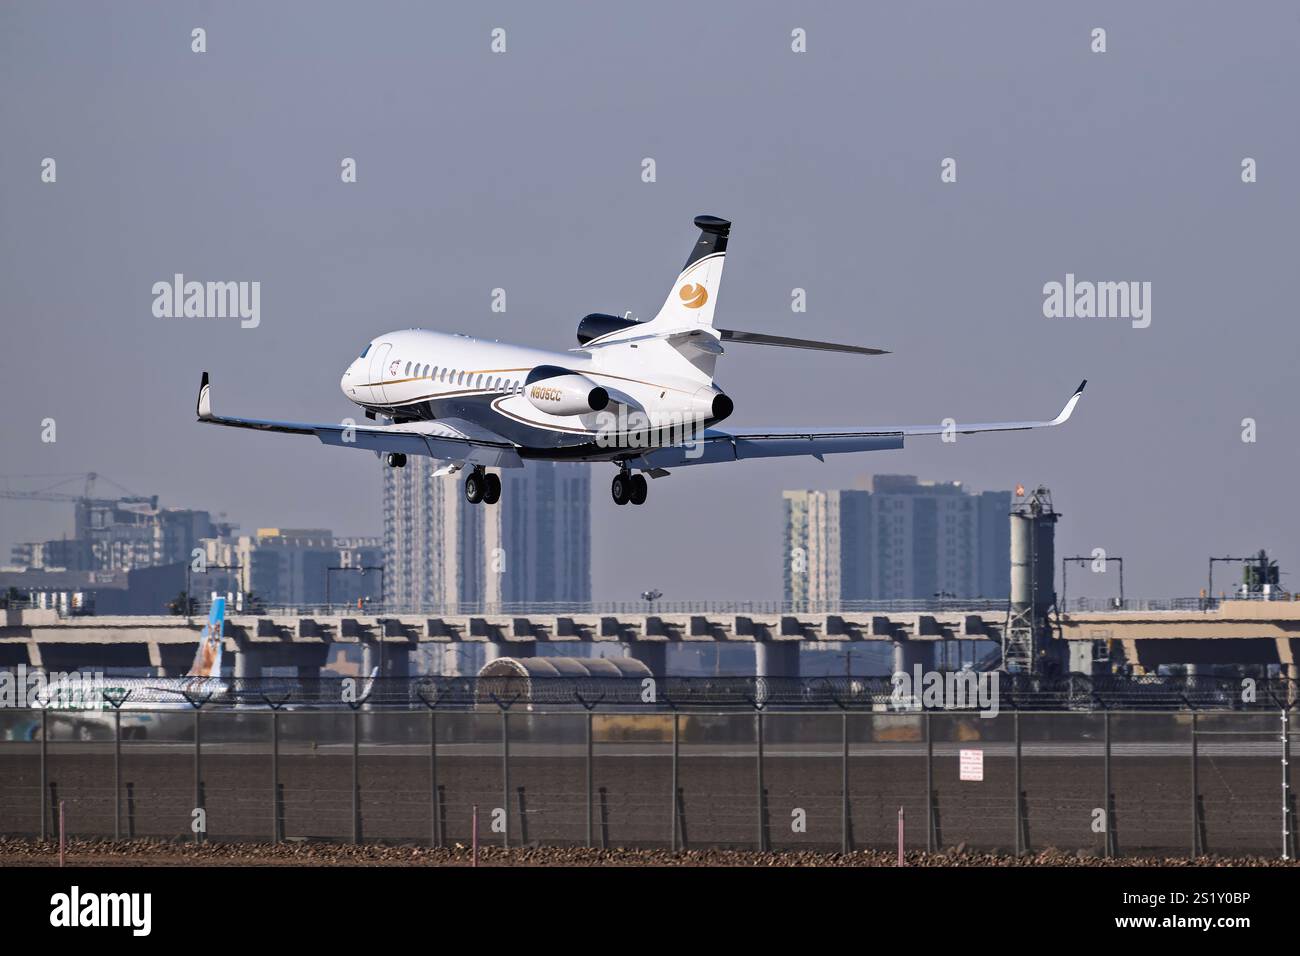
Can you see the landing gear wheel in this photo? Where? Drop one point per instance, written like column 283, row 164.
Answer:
column 396, row 459
column 475, row 486
column 639, row 490
column 492, row 493
column 621, row 489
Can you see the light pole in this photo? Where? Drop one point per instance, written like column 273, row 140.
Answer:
column 206, row 569
column 1082, row 560
column 362, row 569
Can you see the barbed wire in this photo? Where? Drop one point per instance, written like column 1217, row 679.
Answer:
column 960, row 691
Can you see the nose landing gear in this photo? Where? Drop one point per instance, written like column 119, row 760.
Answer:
column 628, row 487
column 482, row 485
column 396, row 459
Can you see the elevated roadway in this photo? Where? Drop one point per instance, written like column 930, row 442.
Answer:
column 1247, row 632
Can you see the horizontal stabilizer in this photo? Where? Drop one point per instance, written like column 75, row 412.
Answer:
column 786, row 342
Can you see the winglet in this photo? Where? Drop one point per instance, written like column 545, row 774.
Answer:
column 203, row 407
column 1068, row 410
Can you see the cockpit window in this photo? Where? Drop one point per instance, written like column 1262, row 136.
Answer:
column 364, row 351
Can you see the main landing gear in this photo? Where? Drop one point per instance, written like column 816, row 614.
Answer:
column 482, row 485
column 395, row 459
column 629, row 487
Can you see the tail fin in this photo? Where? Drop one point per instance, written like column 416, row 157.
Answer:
column 693, row 296
column 207, row 659
column 369, row 685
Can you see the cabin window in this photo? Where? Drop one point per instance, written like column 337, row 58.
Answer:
column 408, row 369
column 460, row 378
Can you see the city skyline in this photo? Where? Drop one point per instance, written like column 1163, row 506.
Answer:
column 899, row 538
column 1082, row 585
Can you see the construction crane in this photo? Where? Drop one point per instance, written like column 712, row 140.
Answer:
column 88, row 510
column 50, row 493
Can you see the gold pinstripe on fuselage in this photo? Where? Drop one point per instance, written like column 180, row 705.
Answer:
column 591, row 373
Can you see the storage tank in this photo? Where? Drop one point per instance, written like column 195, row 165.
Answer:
column 1033, row 579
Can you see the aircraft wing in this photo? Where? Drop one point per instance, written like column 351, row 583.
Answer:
column 735, row 444
column 445, row 439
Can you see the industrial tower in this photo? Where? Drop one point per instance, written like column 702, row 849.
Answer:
column 1027, row 639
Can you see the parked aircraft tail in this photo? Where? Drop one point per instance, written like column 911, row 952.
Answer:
column 207, row 659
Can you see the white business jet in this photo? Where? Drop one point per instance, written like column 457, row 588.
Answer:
column 639, row 394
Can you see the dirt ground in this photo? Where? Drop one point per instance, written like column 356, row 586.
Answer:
column 162, row 853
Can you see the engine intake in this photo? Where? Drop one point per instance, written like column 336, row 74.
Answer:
column 596, row 324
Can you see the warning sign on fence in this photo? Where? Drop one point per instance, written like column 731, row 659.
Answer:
column 972, row 765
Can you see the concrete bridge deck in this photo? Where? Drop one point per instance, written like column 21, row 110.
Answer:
column 1232, row 632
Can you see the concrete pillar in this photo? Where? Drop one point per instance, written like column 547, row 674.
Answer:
column 397, row 661
column 653, row 654
column 907, row 654
column 248, row 664
column 776, row 658
column 394, row 658
column 454, row 659
column 495, row 649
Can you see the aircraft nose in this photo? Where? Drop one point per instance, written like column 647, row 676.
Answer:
column 347, row 382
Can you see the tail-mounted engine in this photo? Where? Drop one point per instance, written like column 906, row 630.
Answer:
column 560, row 391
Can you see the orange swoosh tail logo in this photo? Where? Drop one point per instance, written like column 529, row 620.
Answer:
column 693, row 296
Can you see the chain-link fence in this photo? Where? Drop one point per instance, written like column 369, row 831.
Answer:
column 1075, row 692
column 1103, row 783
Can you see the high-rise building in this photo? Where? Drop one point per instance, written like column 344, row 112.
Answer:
column 443, row 554
column 433, row 540
column 542, row 528
column 286, row 567
column 899, row 539
column 123, row 534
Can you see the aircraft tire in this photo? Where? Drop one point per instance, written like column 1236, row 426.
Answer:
column 474, row 487
column 620, row 488
column 639, row 490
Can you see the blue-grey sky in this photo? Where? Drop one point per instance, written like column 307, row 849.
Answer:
column 522, row 171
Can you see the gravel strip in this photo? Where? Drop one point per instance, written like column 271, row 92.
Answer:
column 162, row 853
